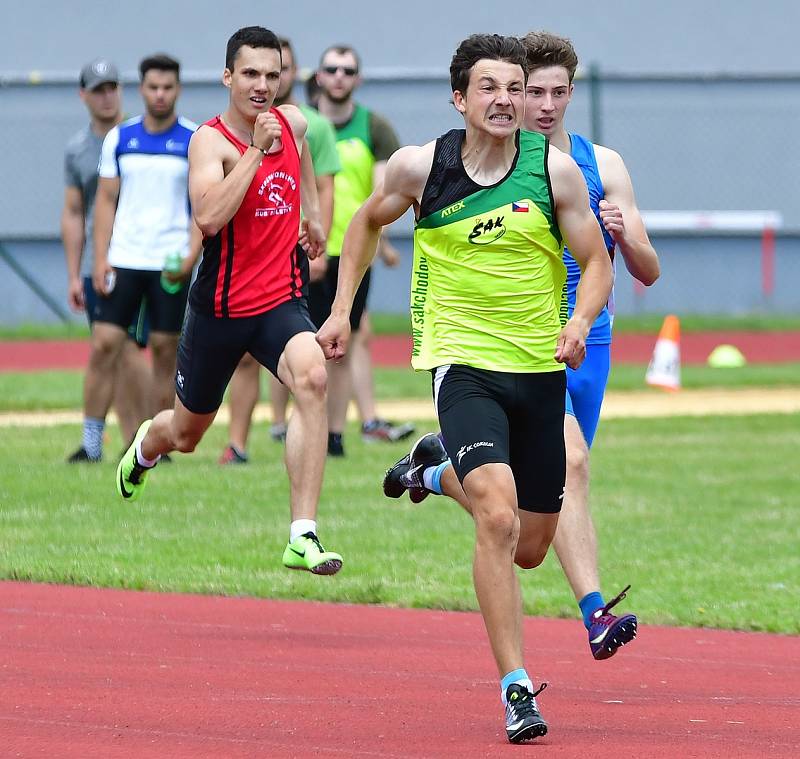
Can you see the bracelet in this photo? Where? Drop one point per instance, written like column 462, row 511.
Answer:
column 253, row 145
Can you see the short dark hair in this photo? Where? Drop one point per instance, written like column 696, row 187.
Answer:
column 493, row 47
column 251, row 36
column 159, row 62
column 341, row 49
column 544, row 50
column 286, row 43
column 313, row 90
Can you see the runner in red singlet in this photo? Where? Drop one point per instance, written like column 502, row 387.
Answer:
column 249, row 172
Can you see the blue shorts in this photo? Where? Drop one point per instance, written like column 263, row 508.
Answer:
column 138, row 329
column 586, row 387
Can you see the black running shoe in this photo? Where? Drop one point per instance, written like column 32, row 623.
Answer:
column 335, row 444
column 82, row 457
column 406, row 474
column 523, row 721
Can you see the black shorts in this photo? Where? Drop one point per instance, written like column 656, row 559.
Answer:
column 133, row 287
column 211, row 348
column 499, row 417
column 322, row 293
column 138, row 329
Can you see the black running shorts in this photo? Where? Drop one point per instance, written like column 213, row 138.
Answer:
column 133, row 287
column 210, row 349
column 500, row 417
column 321, row 295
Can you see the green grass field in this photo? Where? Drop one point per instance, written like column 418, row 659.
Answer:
column 52, row 390
column 391, row 324
column 698, row 514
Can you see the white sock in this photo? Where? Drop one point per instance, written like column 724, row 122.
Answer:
column 301, row 527
column 93, row 436
column 149, row 463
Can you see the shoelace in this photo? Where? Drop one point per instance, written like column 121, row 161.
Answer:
column 614, row 601
column 525, row 706
column 315, row 540
column 413, row 477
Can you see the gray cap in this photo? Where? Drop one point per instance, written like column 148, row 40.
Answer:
column 98, row 72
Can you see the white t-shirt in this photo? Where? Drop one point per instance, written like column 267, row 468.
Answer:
column 153, row 216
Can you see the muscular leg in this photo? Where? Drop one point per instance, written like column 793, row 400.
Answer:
column 132, row 389
column 575, row 541
column 176, row 429
column 491, row 493
column 98, row 384
column 164, row 346
column 243, row 394
column 302, row 369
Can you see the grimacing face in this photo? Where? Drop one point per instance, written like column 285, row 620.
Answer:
column 495, row 98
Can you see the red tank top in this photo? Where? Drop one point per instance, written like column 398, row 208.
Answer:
column 254, row 263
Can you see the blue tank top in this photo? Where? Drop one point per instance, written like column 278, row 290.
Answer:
column 582, row 152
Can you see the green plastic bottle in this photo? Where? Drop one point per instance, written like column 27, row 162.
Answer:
column 172, row 265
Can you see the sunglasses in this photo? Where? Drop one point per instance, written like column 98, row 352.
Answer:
column 346, row 70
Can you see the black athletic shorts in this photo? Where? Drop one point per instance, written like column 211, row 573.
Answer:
column 211, row 348
column 516, row 419
column 132, row 287
column 322, row 293
column 138, row 329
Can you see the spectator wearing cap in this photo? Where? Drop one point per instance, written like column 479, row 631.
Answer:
column 101, row 93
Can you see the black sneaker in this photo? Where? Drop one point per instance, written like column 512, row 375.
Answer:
column 523, row 721
column 81, row 457
column 407, row 473
column 335, row 445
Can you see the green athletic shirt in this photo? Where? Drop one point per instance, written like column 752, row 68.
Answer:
column 361, row 142
column 321, row 142
column 488, row 278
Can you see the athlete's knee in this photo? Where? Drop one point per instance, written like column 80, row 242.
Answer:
column 577, row 459
column 499, row 525
column 312, row 382
column 185, row 440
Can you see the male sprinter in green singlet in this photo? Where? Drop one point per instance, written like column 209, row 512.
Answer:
column 245, row 386
column 494, row 207
column 365, row 141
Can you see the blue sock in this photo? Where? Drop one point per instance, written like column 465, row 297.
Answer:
column 515, row 676
column 589, row 604
column 432, row 477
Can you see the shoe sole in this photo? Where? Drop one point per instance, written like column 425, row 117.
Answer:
column 623, row 632
column 529, row 733
column 329, row 567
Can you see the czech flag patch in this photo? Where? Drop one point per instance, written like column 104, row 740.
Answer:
column 520, row 206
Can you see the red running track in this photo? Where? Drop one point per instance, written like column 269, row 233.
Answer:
column 108, row 673
column 395, row 350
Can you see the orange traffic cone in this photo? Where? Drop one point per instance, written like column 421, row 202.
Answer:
column 664, row 370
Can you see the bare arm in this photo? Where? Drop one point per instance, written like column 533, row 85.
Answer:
column 325, row 193
column 621, row 217
column 216, row 197
column 406, row 173
column 73, row 237
column 105, row 209
column 579, row 228
column 387, row 252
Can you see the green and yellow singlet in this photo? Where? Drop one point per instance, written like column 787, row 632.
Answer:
column 488, row 279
